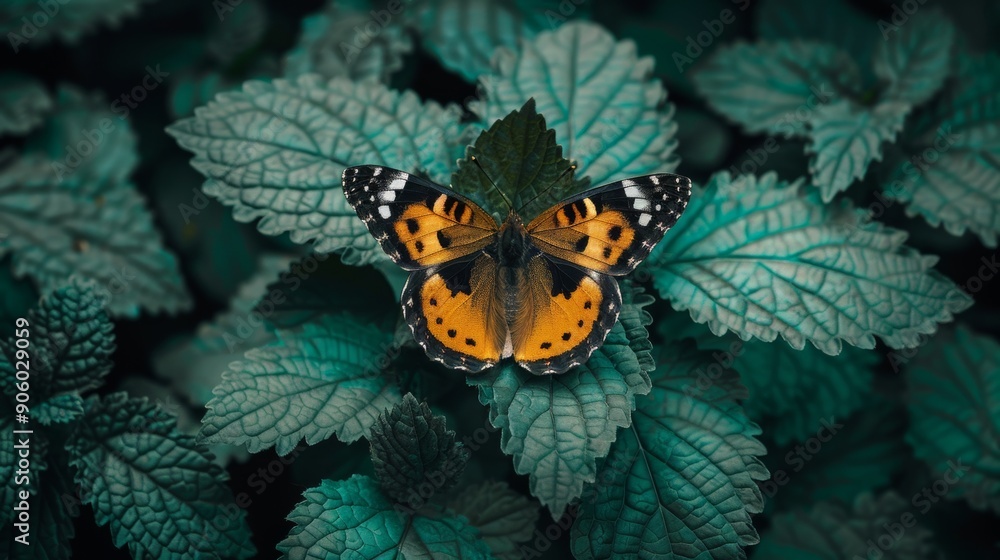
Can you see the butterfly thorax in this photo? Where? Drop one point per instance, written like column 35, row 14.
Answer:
column 512, row 248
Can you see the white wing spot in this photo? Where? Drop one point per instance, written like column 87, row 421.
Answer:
column 630, row 190
column 377, row 172
column 644, row 219
column 640, row 204
column 658, row 207
column 397, row 184
column 387, row 196
column 655, row 180
column 385, row 212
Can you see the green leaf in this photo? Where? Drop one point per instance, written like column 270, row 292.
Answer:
column 89, row 146
column 321, row 380
column 634, row 319
column 11, row 485
column 73, row 20
column 775, row 87
column 54, row 230
column 334, row 43
column 24, row 102
column 59, row 409
column 237, row 32
column 352, row 519
column 758, row 257
column 557, row 426
column 680, row 483
column 845, row 138
column 915, row 59
column 51, row 522
column 950, row 174
column 520, row 156
column 830, row 531
column 863, row 452
column 790, row 390
column 503, row 517
column 818, row 21
column 160, row 493
column 276, row 151
column 463, row 34
column 954, row 401
column 609, row 114
column 410, row 446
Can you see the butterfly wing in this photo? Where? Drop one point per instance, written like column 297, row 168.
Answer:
column 611, row 229
column 455, row 313
column 417, row 223
column 564, row 312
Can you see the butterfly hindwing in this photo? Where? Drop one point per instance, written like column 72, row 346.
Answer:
column 611, row 229
column 456, row 313
column 564, row 312
column 417, row 223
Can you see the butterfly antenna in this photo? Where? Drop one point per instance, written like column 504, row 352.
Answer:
column 572, row 167
column 480, row 166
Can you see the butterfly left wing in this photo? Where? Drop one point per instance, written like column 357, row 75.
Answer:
column 611, row 229
column 417, row 223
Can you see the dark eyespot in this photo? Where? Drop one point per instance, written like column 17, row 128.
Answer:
column 615, row 233
column 580, row 323
column 452, row 333
column 607, row 252
column 420, row 246
column 582, row 243
column 470, row 342
column 444, row 240
column 434, row 302
column 585, row 305
column 546, row 345
column 565, row 336
column 439, row 320
column 412, row 225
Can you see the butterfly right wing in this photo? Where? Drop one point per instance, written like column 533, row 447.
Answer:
column 417, row 223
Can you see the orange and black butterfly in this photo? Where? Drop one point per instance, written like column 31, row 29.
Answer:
column 544, row 292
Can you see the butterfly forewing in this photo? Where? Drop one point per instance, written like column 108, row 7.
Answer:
column 611, row 229
column 417, row 223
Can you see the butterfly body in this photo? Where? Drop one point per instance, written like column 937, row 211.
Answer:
column 481, row 290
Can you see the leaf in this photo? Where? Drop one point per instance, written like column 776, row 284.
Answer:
column 24, row 102
column 88, row 145
column 954, row 401
column 463, row 34
column 160, row 493
column 276, row 151
column 411, row 447
column 830, row 531
column 820, row 21
column 54, row 230
column 52, row 525
column 634, row 319
column 790, row 390
column 10, row 485
column 238, row 32
column 17, row 296
column 703, row 140
column 321, row 380
column 503, row 517
column 680, row 483
column 352, row 519
column 60, row 409
column 846, row 138
column 609, row 114
column 774, row 87
column 338, row 42
column 520, row 156
column 73, row 20
column 915, row 59
column 557, row 426
column 757, row 257
column 950, row 173
column 863, row 452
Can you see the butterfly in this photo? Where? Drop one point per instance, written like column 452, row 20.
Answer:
column 543, row 292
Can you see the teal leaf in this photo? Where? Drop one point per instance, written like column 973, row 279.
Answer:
column 774, row 87
column 73, row 20
column 17, row 296
column 857, row 454
column 520, row 156
column 161, row 493
column 353, row 519
column 334, row 43
column 52, row 526
column 950, row 174
column 790, row 390
column 54, row 230
column 463, row 34
column 237, row 32
column 680, row 483
column 88, row 145
column 609, row 113
column 276, row 151
column 760, row 258
column 503, row 517
column 59, row 409
column 914, row 59
column 10, row 485
column 703, row 140
column 311, row 383
column 819, row 21
column 557, row 426
column 24, row 102
column 831, row 531
column 845, row 138
column 410, row 446
column 954, row 401
column 634, row 318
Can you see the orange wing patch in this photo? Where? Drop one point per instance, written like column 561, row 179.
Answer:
column 443, row 230
column 455, row 313
column 563, row 314
column 577, row 232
